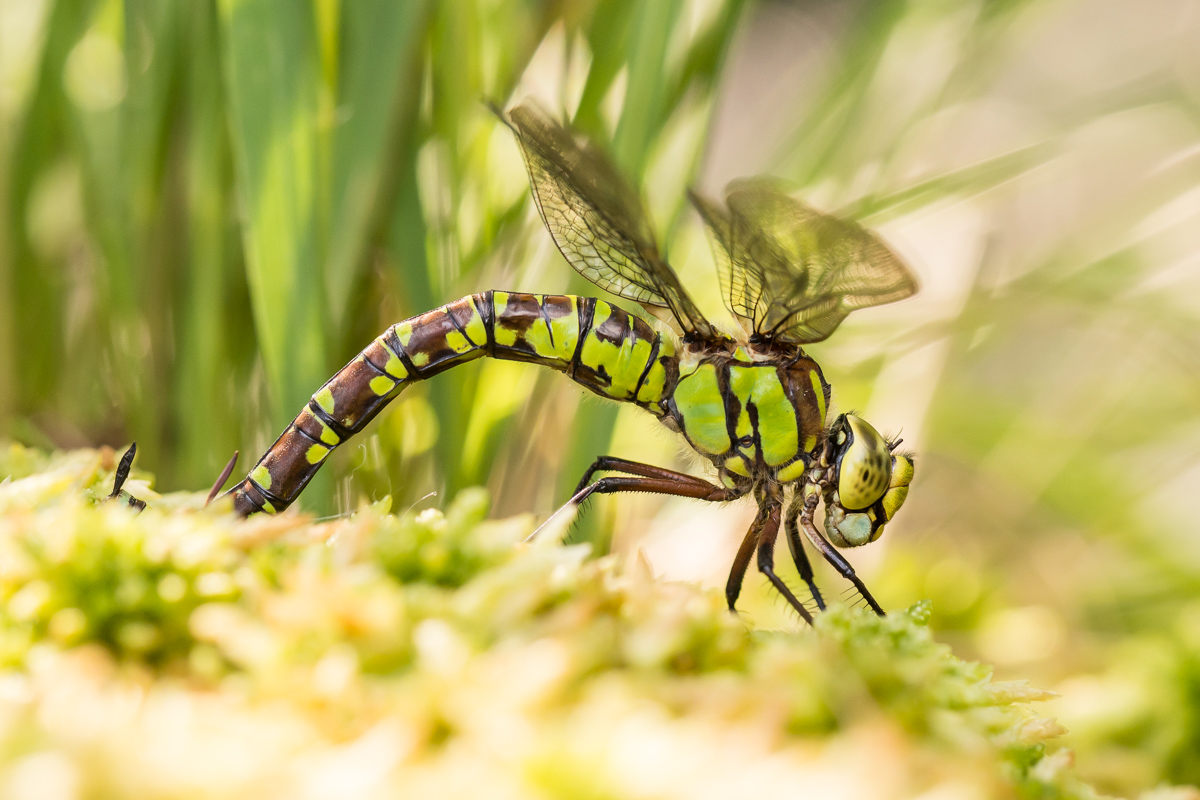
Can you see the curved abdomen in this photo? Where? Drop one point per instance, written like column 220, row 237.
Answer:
column 599, row 346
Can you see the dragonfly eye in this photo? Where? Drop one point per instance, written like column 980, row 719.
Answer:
column 850, row 527
column 862, row 463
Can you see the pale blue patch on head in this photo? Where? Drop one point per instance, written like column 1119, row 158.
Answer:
column 852, row 530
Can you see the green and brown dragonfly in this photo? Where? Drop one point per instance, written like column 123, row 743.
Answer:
column 756, row 405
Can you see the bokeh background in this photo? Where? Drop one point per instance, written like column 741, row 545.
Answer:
column 208, row 207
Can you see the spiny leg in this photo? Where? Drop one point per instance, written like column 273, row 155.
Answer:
column 832, row 555
column 653, row 480
column 766, row 558
column 741, row 562
column 614, row 464
column 796, row 547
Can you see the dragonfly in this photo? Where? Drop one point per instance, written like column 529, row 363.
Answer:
column 755, row 405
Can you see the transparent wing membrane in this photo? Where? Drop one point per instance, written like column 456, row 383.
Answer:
column 596, row 218
column 792, row 273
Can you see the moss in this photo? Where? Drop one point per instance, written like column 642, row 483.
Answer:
column 432, row 653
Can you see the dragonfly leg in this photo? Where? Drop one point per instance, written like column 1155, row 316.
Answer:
column 830, row 553
column 652, row 480
column 796, row 547
column 664, row 481
column 766, row 558
column 741, row 562
column 614, row 464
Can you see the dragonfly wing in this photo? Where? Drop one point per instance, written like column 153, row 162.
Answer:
column 596, row 218
column 751, row 267
column 814, row 268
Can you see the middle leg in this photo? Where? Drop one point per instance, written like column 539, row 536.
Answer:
column 796, row 547
column 766, row 557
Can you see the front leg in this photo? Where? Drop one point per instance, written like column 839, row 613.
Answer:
column 811, row 497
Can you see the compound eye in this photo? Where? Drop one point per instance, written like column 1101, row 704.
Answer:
column 865, row 467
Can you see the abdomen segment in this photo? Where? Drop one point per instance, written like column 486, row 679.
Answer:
column 600, row 346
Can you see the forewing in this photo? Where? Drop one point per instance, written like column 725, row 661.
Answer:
column 833, row 266
column 596, row 218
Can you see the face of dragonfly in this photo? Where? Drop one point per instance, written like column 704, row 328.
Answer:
column 868, row 483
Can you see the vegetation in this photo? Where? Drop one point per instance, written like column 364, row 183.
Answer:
column 433, row 652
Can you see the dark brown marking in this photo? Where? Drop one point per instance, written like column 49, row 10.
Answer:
column 355, row 403
column 287, row 462
column 247, row 499
column 615, row 329
column 379, row 356
column 311, row 426
column 733, row 406
column 649, row 364
column 429, row 332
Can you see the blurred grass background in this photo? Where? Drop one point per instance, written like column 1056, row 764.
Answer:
column 208, row 207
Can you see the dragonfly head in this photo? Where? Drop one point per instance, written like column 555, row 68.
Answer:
column 868, row 482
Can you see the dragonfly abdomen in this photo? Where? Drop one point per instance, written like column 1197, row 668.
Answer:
column 598, row 345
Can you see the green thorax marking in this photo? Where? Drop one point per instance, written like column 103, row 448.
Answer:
column 751, row 413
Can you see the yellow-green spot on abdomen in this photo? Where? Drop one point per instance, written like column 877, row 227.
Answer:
column 262, row 476
column 404, row 332
column 557, row 340
column 381, row 385
column 324, row 399
column 457, row 342
column 476, row 330
column 316, row 453
column 702, row 409
column 394, row 366
column 506, row 337
column 328, row 436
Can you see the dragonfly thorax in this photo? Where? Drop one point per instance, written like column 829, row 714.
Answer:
column 756, row 415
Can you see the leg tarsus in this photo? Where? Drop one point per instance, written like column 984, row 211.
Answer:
column 834, row 557
column 766, row 562
column 799, row 557
column 741, row 562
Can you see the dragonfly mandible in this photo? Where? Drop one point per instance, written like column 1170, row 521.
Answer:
column 755, row 405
